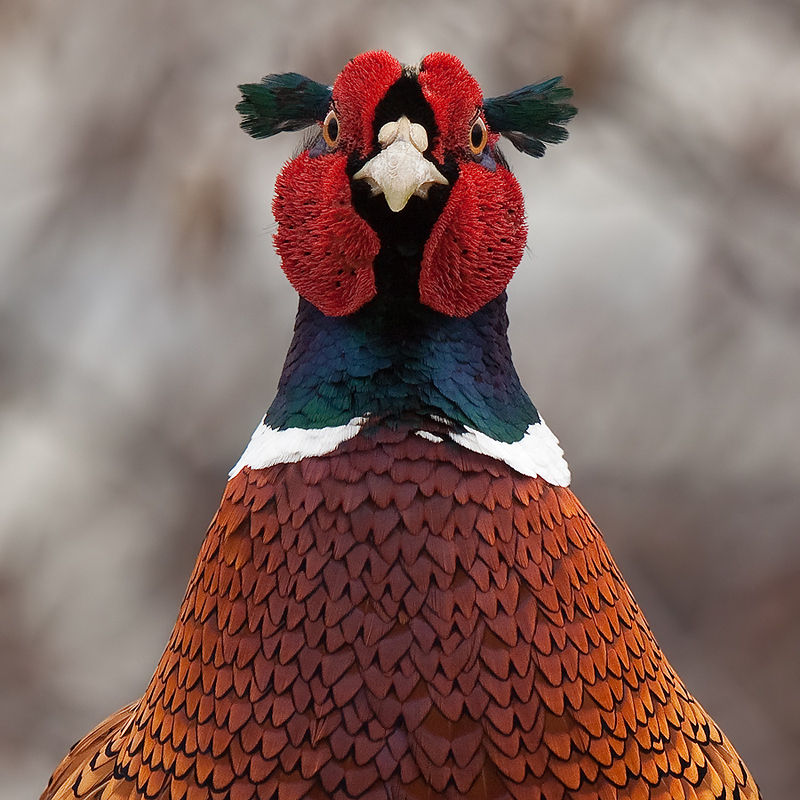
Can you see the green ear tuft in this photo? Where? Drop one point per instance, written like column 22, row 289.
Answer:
column 282, row 102
column 532, row 116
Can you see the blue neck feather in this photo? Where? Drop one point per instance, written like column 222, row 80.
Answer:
column 392, row 359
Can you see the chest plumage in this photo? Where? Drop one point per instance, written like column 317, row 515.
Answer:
column 399, row 596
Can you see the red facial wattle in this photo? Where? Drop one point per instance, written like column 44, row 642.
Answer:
column 455, row 97
column 356, row 93
column 328, row 249
column 476, row 244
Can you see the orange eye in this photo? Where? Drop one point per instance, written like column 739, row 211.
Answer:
column 478, row 136
column 330, row 129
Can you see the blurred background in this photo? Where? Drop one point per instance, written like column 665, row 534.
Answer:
column 144, row 319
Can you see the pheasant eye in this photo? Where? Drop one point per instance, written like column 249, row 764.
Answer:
column 478, row 136
column 330, row 129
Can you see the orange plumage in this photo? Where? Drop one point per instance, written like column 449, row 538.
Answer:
column 448, row 626
column 403, row 617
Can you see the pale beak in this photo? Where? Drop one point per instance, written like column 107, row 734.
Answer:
column 400, row 170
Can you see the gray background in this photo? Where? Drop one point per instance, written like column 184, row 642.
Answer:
column 144, row 318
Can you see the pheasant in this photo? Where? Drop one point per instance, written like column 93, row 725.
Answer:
column 399, row 596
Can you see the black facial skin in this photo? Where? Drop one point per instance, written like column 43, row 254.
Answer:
column 405, row 97
column 403, row 234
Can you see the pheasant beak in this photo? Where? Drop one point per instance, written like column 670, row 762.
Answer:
column 400, row 170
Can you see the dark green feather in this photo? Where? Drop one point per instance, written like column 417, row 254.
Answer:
column 282, row 102
column 532, row 116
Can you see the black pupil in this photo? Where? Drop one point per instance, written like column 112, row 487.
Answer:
column 477, row 135
column 333, row 129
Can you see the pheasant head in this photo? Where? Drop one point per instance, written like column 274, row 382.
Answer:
column 402, row 188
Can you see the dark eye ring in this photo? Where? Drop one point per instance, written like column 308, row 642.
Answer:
column 330, row 129
column 478, row 136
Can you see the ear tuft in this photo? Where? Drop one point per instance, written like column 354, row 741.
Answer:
column 282, row 102
column 532, row 116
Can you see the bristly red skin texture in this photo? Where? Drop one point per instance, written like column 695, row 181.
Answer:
column 454, row 96
column 328, row 256
column 474, row 247
column 476, row 243
column 357, row 92
column 405, row 619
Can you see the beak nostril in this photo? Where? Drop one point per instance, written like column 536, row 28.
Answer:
column 403, row 130
column 388, row 133
column 418, row 136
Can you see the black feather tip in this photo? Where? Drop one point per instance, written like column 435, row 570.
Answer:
column 282, row 102
column 532, row 116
